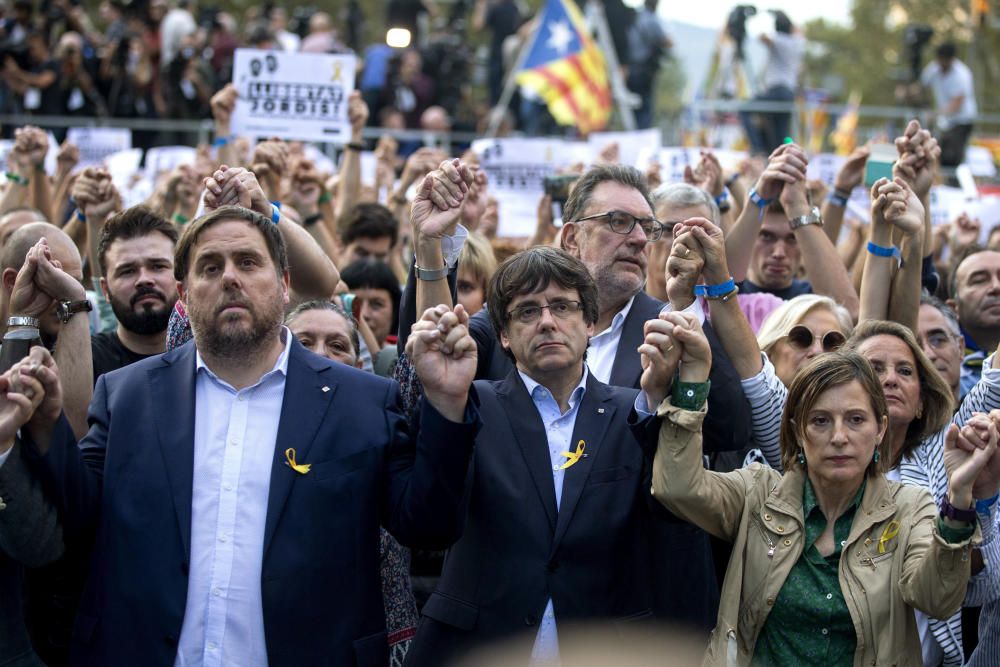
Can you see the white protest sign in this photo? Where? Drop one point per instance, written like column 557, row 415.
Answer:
column 323, row 164
column 167, row 158
column 946, row 204
column 293, row 95
column 674, row 159
column 516, row 169
column 96, row 143
column 980, row 161
column 122, row 166
column 6, row 146
column 824, row 167
column 630, row 144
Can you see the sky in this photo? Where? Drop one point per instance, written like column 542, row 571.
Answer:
column 713, row 13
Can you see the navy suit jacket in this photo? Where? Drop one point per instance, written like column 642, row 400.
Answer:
column 130, row 481
column 517, row 550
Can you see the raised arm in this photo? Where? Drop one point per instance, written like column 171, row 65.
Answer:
column 848, row 177
column 710, row 500
column 222, row 104
column 349, row 190
column 784, row 166
column 312, row 274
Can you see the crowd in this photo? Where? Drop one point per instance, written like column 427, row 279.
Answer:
column 276, row 414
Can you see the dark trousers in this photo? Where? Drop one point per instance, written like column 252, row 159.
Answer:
column 953, row 142
column 766, row 131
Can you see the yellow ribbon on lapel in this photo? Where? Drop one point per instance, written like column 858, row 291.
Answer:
column 301, row 468
column 574, row 456
column 890, row 531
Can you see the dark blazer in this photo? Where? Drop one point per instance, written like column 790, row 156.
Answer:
column 30, row 535
column 130, row 479
column 517, row 551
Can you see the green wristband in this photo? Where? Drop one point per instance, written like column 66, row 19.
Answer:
column 16, row 178
column 690, row 395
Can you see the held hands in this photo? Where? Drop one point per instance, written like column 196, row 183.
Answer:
column 710, row 238
column 235, row 186
column 852, row 171
column 919, row 154
column 894, row 203
column 967, row 457
column 31, row 145
column 706, row 175
column 475, row 201
column 95, row 194
column 787, row 164
column 20, row 395
column 684, row 268
column 444, row 356
column 40, row 282
column 673, row 340
column 357, row 114
column 438, row 204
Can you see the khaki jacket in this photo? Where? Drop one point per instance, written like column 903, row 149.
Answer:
column 760, row 512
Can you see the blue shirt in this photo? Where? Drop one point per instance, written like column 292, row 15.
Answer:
column 558, row 432
column 235, row 434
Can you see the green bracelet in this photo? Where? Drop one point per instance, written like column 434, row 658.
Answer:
column 324, row 198
column 16, row 178
column 180, row 219
column 690, row 395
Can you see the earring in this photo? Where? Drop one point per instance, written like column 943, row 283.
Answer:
column 920, row 412
column 878, row 455
column 802, row 458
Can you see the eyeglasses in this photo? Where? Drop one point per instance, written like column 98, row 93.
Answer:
column 938, row 339
column 801, row 337
column 623, row 223
column 531, row 313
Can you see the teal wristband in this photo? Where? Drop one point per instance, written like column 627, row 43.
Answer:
column 690, row 395
column 880, row 251
column 715, row 291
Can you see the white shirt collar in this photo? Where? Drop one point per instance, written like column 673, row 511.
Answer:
column 574, row 396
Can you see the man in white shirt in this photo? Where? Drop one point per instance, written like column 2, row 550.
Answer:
column 950, row 80
column 785, row 51
column 235, row 485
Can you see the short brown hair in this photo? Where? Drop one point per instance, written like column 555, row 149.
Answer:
column 533, row 270
column 826, row 372
column 935, row 395
column 272, row 237
column 583, row 189
column 129, row 224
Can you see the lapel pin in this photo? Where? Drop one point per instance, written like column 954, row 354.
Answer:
column 600, row 411
column 573, row 457
column 301, row 468
column 325, row 389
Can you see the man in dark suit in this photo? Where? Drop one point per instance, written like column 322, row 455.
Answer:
column 30, row 534
column 559, row 490
column 609, row 227
column 236, row 484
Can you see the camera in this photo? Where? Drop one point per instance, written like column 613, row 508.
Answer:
column 736, row 26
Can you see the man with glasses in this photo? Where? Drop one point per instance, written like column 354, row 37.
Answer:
column 941, row 339
column 558, row 488
column 610, row 224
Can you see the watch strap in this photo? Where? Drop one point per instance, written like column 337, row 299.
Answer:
column 70, row 308
column 949, row 511
column 430, row 274
column 811, row 218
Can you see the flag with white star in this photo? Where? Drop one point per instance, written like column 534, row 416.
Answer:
column 566, row 69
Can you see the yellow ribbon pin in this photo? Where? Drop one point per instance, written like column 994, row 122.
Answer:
column 890, row 531
column 574, row 456
column 301, row 468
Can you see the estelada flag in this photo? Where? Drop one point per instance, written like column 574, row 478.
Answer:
column 566, row 69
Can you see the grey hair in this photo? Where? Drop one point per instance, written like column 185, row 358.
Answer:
column 683, row 195
column 950, row 316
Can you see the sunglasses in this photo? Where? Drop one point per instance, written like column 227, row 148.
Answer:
column 801, row 337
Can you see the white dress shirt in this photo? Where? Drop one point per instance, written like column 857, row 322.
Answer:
column 234, row 441
column 558, row 431
column 603, row 346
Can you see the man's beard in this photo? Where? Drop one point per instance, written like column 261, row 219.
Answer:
column 150, row 320
column 218, row 338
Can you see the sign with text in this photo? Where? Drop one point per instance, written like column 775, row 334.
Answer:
column 168, row 158
column 630, row 144
column 516, row 169
column 97, row 143
column 293, row 95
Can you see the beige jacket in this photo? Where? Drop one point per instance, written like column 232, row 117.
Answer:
column 760, row 512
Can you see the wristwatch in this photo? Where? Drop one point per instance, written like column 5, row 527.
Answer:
column 67, row 309
column 949, row 511
column 811, row 218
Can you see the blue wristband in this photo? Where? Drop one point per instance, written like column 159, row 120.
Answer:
column 221, row 141
column 836, row 200
column 984, row 506
column 715, row 291
column 724, row 197
column 879, row 251
column 758, row 200
column 275, row 213
column 80, row 216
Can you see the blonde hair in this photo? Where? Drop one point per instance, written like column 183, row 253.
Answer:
column 478, row 259
column 777, row 325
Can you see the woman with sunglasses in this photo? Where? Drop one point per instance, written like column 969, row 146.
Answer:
column 829, row 558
